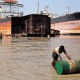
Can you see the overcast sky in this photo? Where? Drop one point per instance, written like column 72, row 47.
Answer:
column 54, row 6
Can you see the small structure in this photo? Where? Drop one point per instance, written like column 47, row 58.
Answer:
column 54, row 32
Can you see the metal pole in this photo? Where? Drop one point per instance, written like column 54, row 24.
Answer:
column 10, row 7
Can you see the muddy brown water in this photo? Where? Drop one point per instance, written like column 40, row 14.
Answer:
column 28, row 58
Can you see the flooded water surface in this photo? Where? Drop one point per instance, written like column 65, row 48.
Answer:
column 28, row 58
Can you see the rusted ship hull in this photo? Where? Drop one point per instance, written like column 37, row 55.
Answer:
column 11, row 26
column 68, row 24
column 5, row 26
column 32, row 25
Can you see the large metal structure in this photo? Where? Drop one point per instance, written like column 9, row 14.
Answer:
column 11, row 21
column 9, row 8
column 32, row 25
column 67, row 24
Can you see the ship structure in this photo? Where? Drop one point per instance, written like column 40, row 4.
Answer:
column 12, row 21
column 67, row 24
column 8, row 9
column 32, row 25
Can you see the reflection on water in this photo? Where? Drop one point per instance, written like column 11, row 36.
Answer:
column 28, row 58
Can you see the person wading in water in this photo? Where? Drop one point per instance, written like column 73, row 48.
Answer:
column 1, row 36
column 56, row 54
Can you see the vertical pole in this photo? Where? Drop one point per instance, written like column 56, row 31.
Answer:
column 38, row 7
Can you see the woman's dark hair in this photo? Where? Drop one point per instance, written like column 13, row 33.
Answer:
column 62, row 47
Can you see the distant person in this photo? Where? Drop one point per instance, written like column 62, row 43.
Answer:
column 56, row 54
column 1, row 36
column 48, row 36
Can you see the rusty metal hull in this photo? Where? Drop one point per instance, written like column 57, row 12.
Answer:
column 68, row 24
